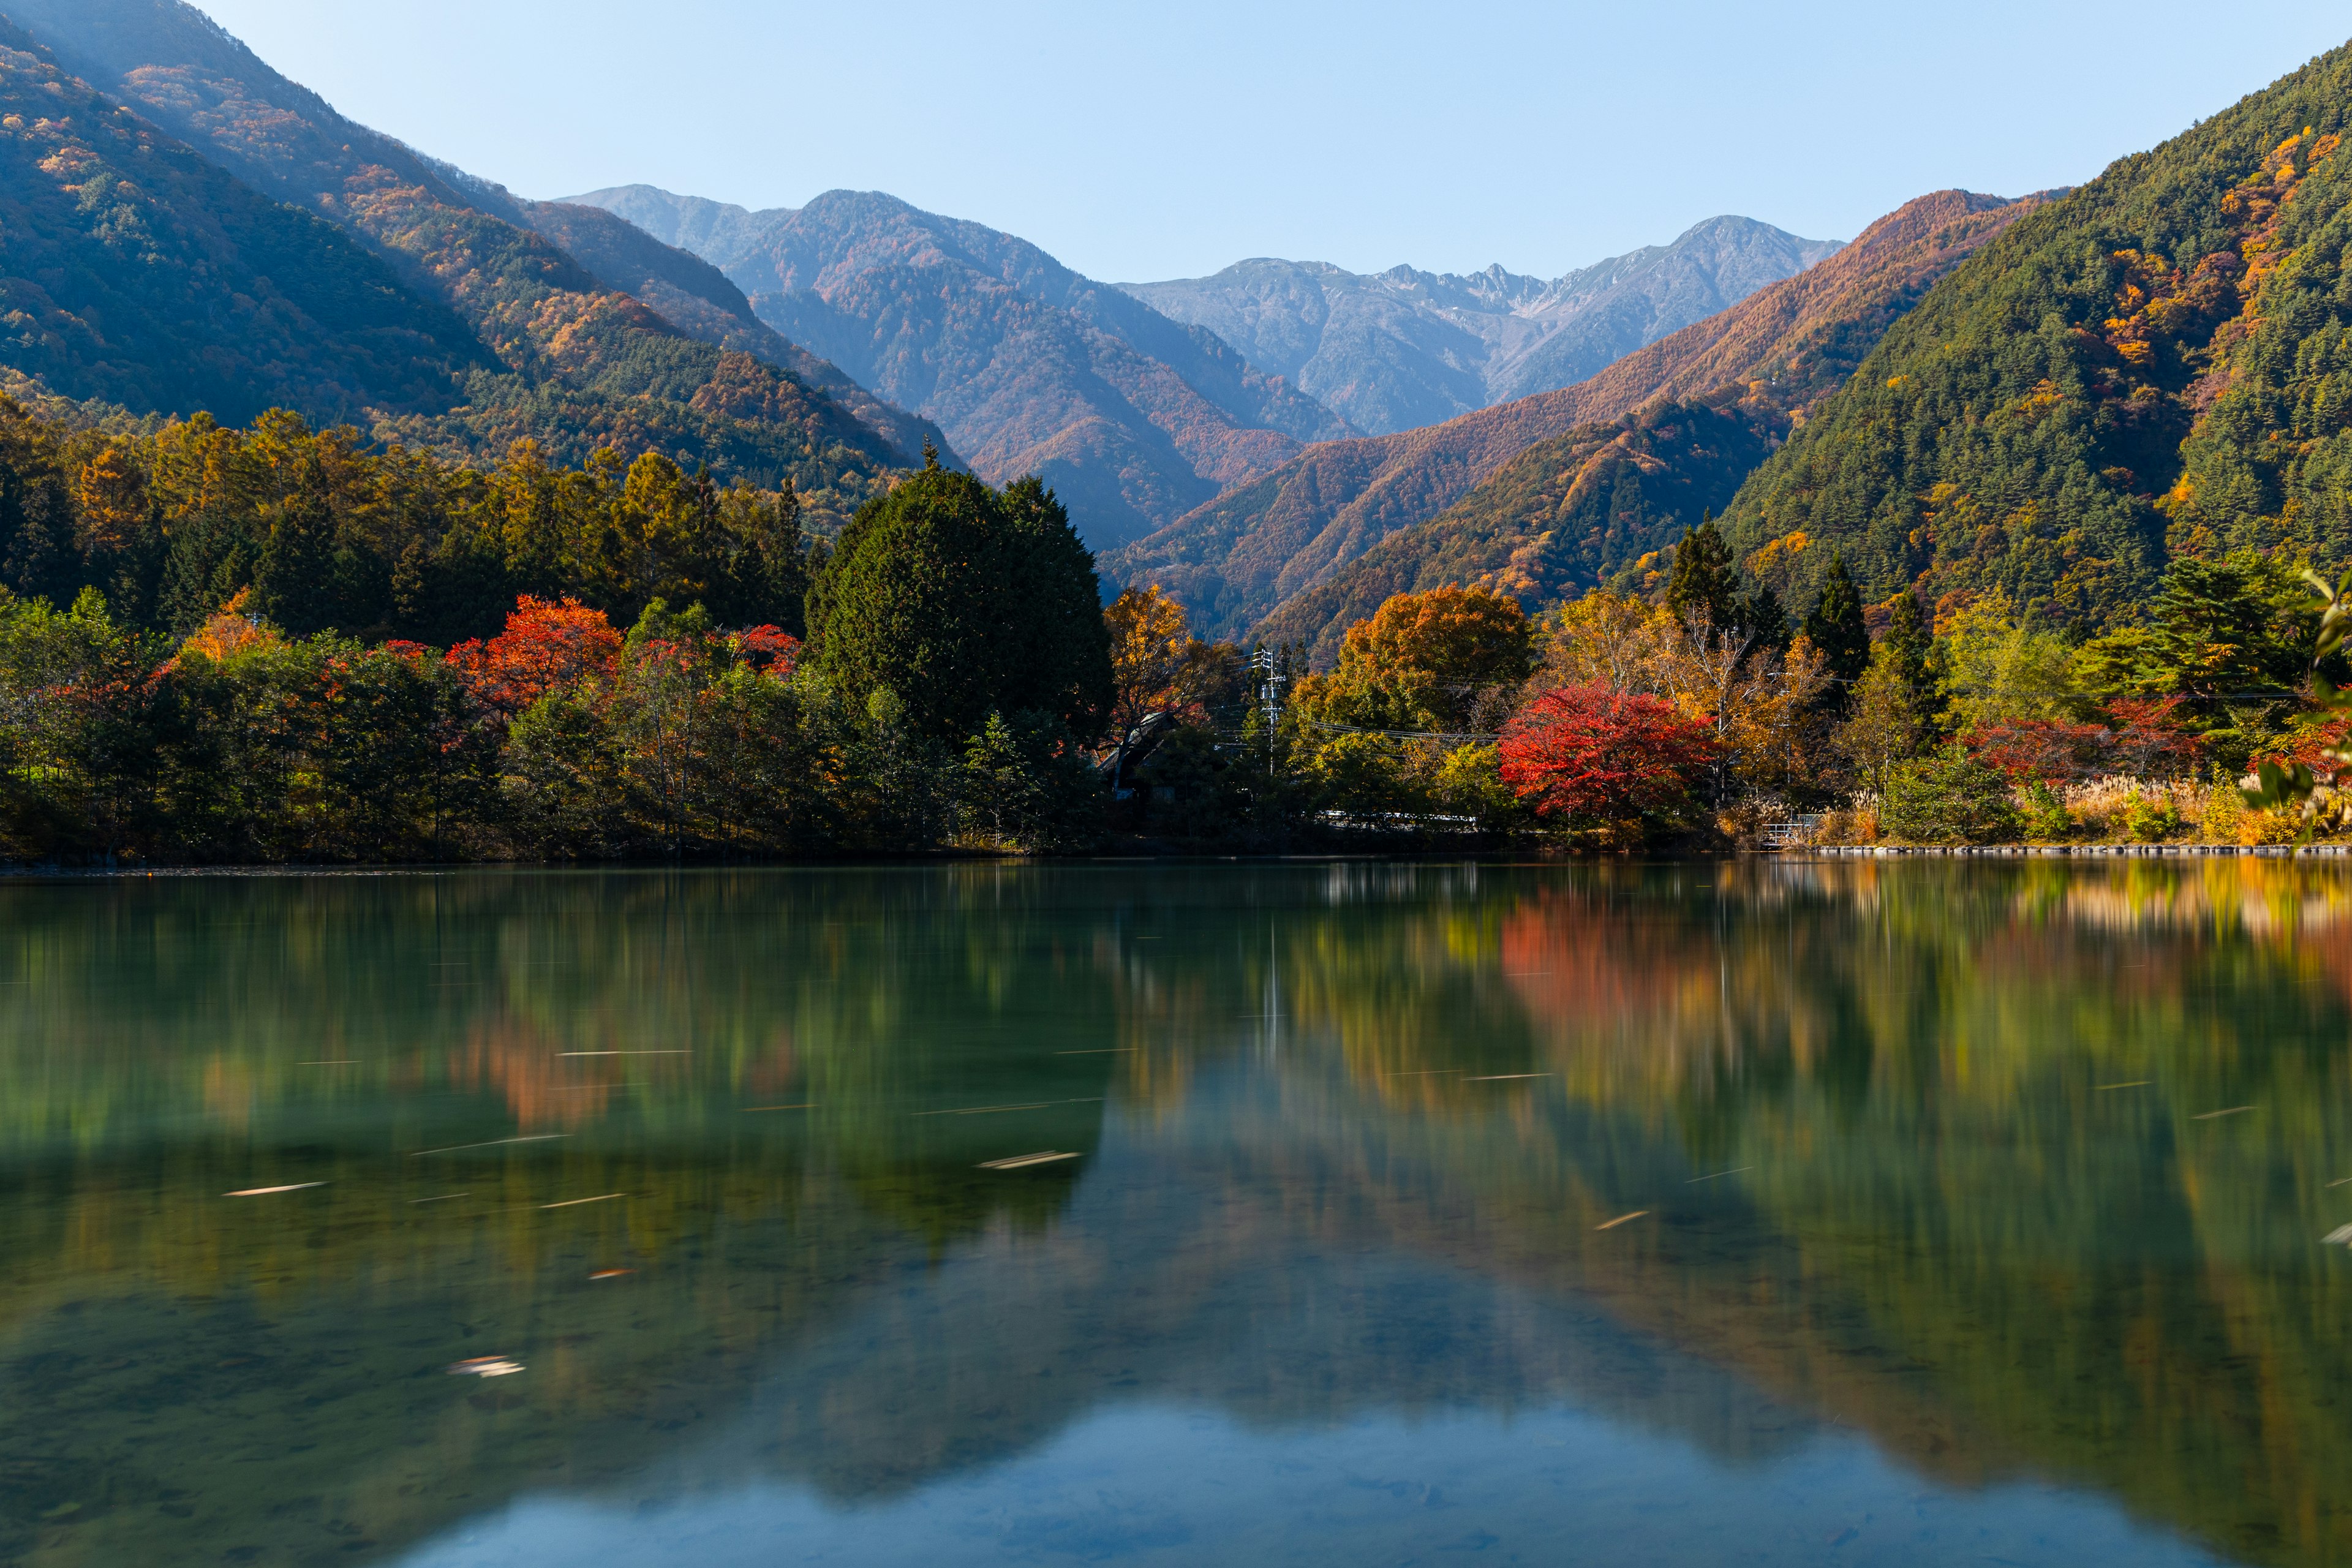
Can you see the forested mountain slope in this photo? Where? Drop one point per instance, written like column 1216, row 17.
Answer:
column 133, row 271
column 1676, row 429
column 1404, row 348
column 698, row 299
column 1029, row 367
column 579, row 363
column 2157, row 365
column 1233, row 561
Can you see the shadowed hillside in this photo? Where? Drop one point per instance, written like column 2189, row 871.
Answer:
column 580, row 364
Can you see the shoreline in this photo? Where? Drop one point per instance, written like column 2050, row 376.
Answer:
column 2082, row 851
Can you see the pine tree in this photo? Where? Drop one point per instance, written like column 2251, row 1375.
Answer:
column 1909, row 644
column 1704, row 577
column 293, row 580
column 1764, row 621
column 1837, row 629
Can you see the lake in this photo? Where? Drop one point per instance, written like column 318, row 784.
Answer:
column 1355, row 1213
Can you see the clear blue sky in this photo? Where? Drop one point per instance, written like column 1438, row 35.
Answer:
column 1151, row 142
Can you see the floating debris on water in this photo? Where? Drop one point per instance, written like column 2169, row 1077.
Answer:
column 483, row 1366
column 1499, row 1076
column 265, row 1192
column 2136, row 1083
column 530, row 1138
column 439, row 1198
column 1733, row 1171
column 570, row 1203
column 611, row 1273
column 2340, row 1236
column 2209, row 1115
column 1018, row 1161
column 1621, row 1219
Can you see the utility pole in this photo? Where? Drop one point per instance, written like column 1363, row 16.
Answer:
column 1272, row 679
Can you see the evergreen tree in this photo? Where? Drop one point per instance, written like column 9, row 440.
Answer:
column 293, row 580
column 1837, row 629
column 1704, row 577
column 1766, row 623
column 962, row 601
column 1909, row 645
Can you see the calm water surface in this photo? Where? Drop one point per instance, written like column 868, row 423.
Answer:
column 1766, row 1212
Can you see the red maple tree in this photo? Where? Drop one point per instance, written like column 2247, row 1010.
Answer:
column 1585, row 751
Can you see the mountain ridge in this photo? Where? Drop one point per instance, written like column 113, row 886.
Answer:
column 1403, row 348
column 1028, row 365
column 2148, row 369
column 578, row 364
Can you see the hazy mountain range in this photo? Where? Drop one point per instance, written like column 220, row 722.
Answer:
column 1140, row 403
column 1391, row 351
column 1029, row 367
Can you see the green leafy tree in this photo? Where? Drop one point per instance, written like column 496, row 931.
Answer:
column 1025, row 785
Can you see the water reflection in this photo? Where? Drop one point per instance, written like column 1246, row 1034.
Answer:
column 1975, row 1211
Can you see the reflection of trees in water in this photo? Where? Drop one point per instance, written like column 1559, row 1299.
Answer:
column 1949, row 1235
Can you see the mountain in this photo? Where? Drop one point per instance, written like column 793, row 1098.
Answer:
column 2157, row 365
column 1233, row 561
column 1674, row 430
column 1029, row 367
column 1403, row 348
column 697, row 300
column 570, row 360
column 134, row 272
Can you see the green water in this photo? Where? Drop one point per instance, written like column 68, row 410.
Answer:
column 1978, row 1215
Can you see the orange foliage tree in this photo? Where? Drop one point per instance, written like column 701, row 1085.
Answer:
column 546, row 645
column 1440, row 660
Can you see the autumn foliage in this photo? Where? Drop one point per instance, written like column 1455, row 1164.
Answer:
column 2143, row 736
column 546, row 645
column 1585, row 754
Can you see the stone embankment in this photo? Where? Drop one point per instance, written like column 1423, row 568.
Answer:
column 2082, row 851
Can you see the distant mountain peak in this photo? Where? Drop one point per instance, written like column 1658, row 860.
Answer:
column 1406, row 347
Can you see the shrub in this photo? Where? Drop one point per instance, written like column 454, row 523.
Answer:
column 2150, row 820
column 2044, row 814
column 1948, row 798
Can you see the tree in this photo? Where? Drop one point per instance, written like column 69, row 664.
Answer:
column 1704, row 579
column 1766, row 623
column 1442, row 660
column 545, row 648
column 964, row 601
column 1587, row 756
column 1025, row 786
column 293, row 579
column 1838, row 628
column 1888, row 720
column 1159, row 666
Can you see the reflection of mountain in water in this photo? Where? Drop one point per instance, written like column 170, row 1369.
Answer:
column 1867, row 1111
